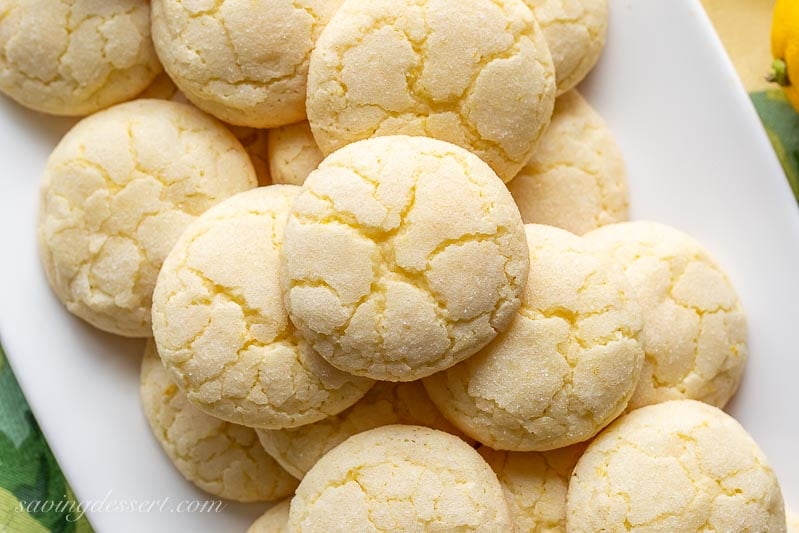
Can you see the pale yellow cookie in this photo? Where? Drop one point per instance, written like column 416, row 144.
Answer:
column 223, row 459
column 293, row 153
column 402, row 257
column 117, row 193
column 244, row 62
column 694, row 326
column 222, row 330
column 792, row 521
column 400, row 478
column 477, row 73
column 567, row 365
column 535, row 485
column 75, row 57
column 577, row 179
column 576, row 31
column 298, row 449
column 677, row 466
column 275, row 520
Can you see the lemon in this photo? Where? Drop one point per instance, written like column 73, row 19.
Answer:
column 785, row 48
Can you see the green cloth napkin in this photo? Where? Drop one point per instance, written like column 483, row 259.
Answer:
column 29, row 472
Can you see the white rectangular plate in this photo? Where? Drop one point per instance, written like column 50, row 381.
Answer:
column 698, row 160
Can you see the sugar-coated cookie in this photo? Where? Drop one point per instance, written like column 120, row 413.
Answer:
column 117, row 192
column 293, row 153
column 576, row 180
column 567, row 365
column 275, row 520
column 298, row 449
column 694, row 326
column 75, row 57
column 575, row 31
column 400, row 478
column 223, row 459
column 535, row 485
column 402, row 256
column 476, row 73
column 244, row 62
column 682, row 465
column 222, row 329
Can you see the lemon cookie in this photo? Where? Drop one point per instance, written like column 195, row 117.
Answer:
column 400, row 478
column 694, row 326
column 576, row 31
column 275, row 520
column 566, row 366
column 298, row 449
column 75, row 57
column 535, row 485
column 677, row 466
column 477, row 73
column 221, row 327
column 244, row 62
column 576, row 180
column 117, row 192
column 402, row 257
column 293, row 153
column 223, row 459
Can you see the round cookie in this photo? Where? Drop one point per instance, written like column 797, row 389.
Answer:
column 576, row 31
column 400, row 478
column 476, row 73
column 535, row 485
column 275, row 520
column 244, row 62
column 567, row 365
column 222, row 330
column 222, row 459
column 694, row 326
column 76, row 57
column 577, row 179
column 293, row 153
column 117, row 192
column 402, row 257
column 677, row 466
column 298, row 449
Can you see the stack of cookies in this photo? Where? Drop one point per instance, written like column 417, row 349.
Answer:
column 381, row 253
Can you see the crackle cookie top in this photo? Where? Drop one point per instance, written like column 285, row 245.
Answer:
column 677, row 466
column 402, row 257
column 694, row 326
column 117, row 193
column 535, row 485
column 221, row 327
column 298, row 449
column 293, row 153
column 566, row 366
column 575, row 31
column 275, row 520
column 576, row 180
column 400, row 478
column 477, row 73
column 223, row 459
column 244, row 62
column 75, row 57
